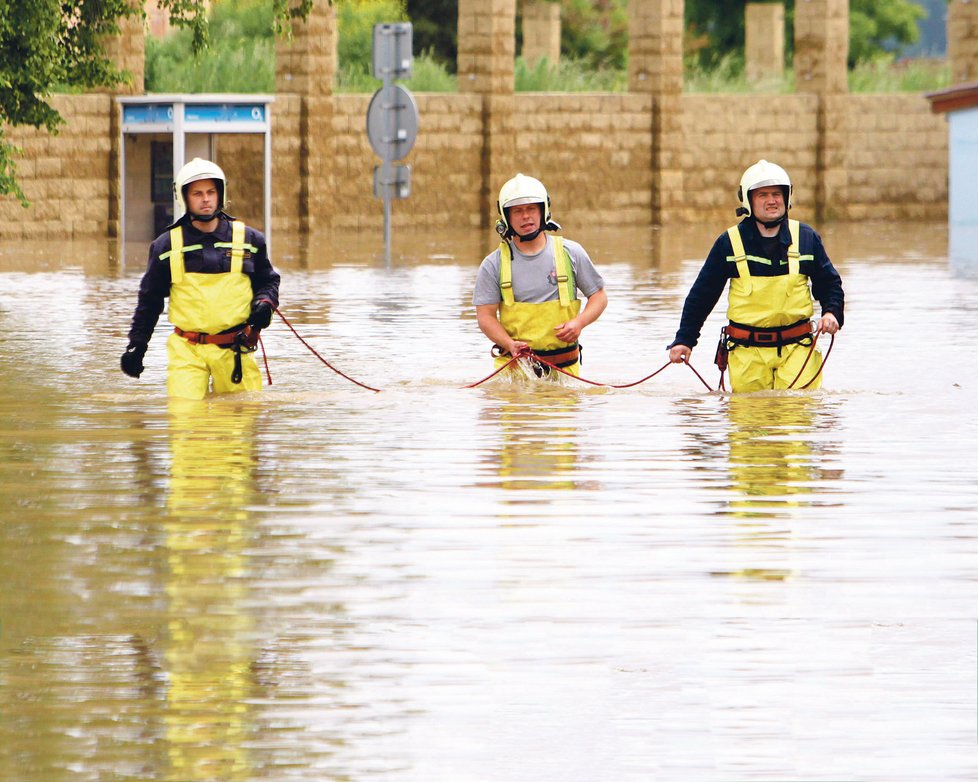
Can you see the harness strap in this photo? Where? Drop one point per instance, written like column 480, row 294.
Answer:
column 740, row 256
column 177, row 250
column 562, row 268
column 794, row 254
column 240, row 335
column 176, row 255
column 750, row 336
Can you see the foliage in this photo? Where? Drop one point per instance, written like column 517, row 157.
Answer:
column 568, row 75
column 427, row 75
column 45, row 43
column 728, row 76
column 715, row 28
column 874, row 24
column 355, row 20
column 877, row 76
column 595, row 32
column 434, row 27
column 240, row 57
column 904, row 76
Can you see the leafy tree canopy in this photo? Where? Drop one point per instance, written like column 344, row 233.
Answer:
column 715, row 28
column 46, row 44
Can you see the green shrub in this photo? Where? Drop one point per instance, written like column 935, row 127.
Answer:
column 568, row 75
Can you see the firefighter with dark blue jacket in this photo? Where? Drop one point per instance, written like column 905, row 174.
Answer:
column 775, row 266
column 221, row 286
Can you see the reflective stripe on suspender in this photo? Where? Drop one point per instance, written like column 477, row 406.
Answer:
column 562, row 268
column 177, row 250
column 561, row 264
column 740, row 256
column 506, row 273
column 794, row 256
column 176, row 255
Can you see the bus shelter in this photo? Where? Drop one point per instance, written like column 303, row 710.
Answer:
column 162, row 132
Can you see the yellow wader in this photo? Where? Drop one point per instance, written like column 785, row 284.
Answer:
column 770, row 302
column 534, row 323
column 208, row 303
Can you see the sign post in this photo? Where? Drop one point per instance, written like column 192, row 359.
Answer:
column 392, row 117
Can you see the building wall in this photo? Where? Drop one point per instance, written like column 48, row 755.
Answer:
column 593, row 151
column 66, row 176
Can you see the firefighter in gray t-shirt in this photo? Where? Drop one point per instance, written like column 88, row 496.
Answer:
column 526, row 292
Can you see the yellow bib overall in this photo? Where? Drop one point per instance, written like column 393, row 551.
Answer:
column 534, row 323
column 209, row 303
column 770, row 302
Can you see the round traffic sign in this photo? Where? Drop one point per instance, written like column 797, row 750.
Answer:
column 392, row 122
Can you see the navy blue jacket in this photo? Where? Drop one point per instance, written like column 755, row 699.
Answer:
column 703, row 296
column 155, row 285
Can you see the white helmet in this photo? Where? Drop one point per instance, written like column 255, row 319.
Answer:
column 522, row 189
column 194, row 171
column 762, row 174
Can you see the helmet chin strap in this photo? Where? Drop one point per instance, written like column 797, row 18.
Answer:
column 530, row 236
column 774, row 223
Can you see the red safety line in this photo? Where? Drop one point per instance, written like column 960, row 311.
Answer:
column 313, row 351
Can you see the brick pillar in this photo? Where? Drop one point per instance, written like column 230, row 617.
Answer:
column 821, row 55
column 822, row 46
column 306, row 65
column 486, row 65
column 764, row 43
column 541, row 31
column 962, row 40
column 655, row 67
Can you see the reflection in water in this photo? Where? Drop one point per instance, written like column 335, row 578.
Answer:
column 208, row 648
column 774, row 458
column 535, row 422
column 685, row 586
column 776, row 462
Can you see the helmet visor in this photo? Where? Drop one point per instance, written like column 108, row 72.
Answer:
column 522, row 200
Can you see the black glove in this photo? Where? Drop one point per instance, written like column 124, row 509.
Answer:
column 261, row 314
column 132, row 359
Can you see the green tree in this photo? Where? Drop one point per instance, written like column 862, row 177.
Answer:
column 49, row 44
column 434, row 29
column 715, row 28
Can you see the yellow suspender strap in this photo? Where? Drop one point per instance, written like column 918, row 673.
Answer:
column 506, row 273
column 562, row 267
column 176, row 255
column 793, row 251
column 237, row 246
column 737, row 244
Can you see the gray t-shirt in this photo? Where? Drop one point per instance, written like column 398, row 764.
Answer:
column 535, row 276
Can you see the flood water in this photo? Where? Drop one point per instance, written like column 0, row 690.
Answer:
column 520, row 581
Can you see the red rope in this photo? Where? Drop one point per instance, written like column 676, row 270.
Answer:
column 533, row 356
column 821, row 367
column 313, row 351
column 264, row 357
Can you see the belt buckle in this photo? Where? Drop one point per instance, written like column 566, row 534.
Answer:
column 765, row 336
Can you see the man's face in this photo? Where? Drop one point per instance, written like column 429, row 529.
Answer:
column 203, row 197
column 525, row 218
column 767, row 203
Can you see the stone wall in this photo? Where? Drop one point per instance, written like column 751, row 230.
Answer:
column 593, row 151
column 67, row 177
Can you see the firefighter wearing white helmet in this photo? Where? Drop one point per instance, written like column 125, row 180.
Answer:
column 776, row 267
column 526, row 292
column 222, row 289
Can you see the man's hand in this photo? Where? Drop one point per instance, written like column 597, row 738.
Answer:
column 680, row 353
column 828, row 324
column 261, row 314
column 132, row 359
column 569, row 331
